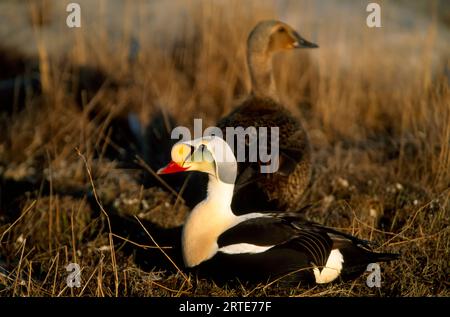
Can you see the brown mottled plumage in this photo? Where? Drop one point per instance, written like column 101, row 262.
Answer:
column 284, row 188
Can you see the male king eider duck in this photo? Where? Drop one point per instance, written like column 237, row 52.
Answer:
column 284, row 189
column 258, row 246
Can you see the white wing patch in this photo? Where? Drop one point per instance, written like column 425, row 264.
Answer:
column 240, row 248
column 331, row 270
column 251, row 215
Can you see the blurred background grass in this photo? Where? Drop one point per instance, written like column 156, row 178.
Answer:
column 375, row 102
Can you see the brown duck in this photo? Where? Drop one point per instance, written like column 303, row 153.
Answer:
column 284, row 188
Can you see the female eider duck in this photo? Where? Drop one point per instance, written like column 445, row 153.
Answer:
column 284, row 188
column 258, row 246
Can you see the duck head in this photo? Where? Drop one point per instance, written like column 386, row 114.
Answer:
column 211, row 155
column 272, row 36
column 266, row 39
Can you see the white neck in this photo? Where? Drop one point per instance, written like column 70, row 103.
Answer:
column 207, row 221
column 220, row 194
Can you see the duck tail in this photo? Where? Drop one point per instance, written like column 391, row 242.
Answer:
column 384, row 257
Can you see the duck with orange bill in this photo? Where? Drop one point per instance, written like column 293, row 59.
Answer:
column 262, row 108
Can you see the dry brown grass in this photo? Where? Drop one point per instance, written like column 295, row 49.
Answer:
column 377, row 111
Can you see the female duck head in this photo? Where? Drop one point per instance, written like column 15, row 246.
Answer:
column 266, row 39
column 210, row 155
column 272, row 36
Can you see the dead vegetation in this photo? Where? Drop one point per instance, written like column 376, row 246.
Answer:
column 377, row 113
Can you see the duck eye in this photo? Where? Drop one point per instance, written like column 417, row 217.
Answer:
column 281, row 30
